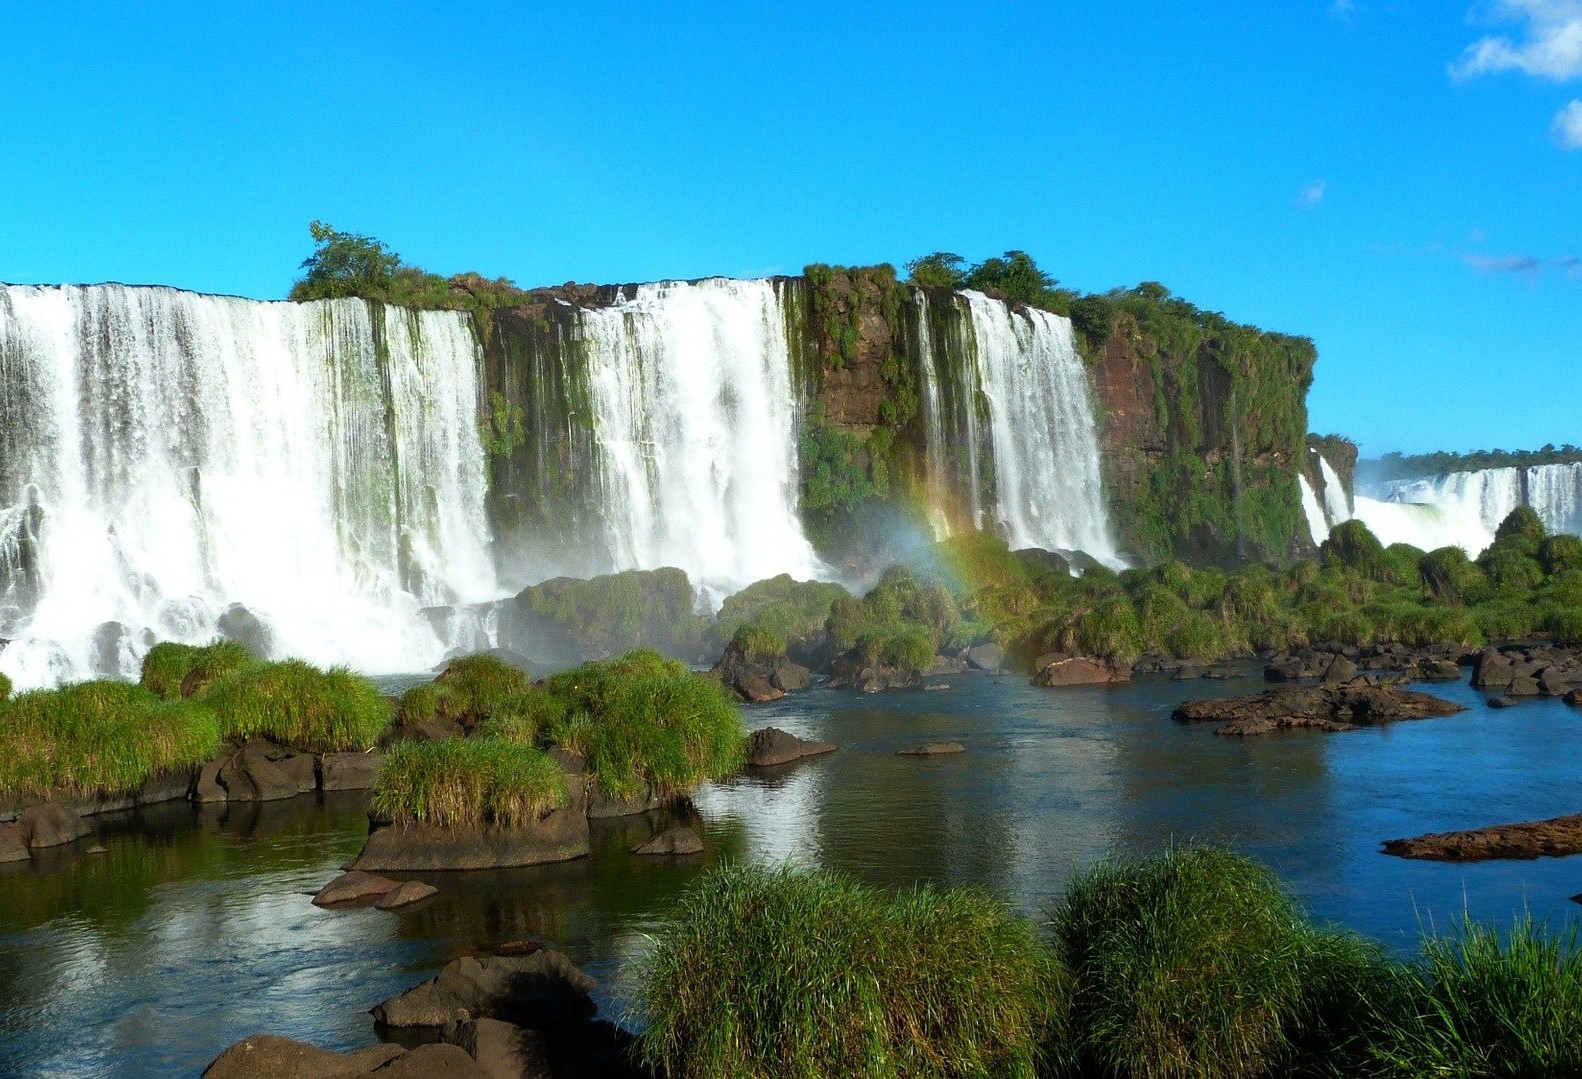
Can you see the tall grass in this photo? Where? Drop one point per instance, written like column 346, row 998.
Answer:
column 770, row 972
column 99, row 738
column 5, row 687
column 468, row 783
column 299, row 705
column 472, row 688
column 1482, row 1003
column 175, row 670
column 1198, row 963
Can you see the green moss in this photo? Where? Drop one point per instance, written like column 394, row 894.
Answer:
column 609, row 614
column 787, row 608
column 468, row 783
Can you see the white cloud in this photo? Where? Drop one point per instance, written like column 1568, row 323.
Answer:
column 1550, row 48
column 1342, row 9
column 1311, row 195
column 1567, row 127
column 1529, row 266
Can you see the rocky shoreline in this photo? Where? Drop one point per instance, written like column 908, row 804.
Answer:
column 1552, row 838
column 1346, row 707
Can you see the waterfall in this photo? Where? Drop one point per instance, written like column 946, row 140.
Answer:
column 696, row 420
column 168, row 455
column 1318, row 525
column 1461, row 509
column 1555, row 492
column 1046, row 459
column 1337, row 508
column 933, row 420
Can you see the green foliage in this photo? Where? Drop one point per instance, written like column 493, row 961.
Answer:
column 1452, row 576
column 787, row 608
column 503, row 429
column 758, row 645
column 1352, row 545
column 1522, row 522
column 1197, row 963
column 763, row 973
column 909, row 649
column 901, row 616
column 299, row 705
column 1017, row 277
column 1560, row 554
column 99, row 738
column 469, row 690
column 609, row 614
column 174, row 671
column 468, row 783
column 835, row 466
column 1393, row 466
column 349, row 264
column 942, row 269
column 5, row 687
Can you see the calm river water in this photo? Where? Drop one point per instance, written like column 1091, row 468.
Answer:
column 194, row 929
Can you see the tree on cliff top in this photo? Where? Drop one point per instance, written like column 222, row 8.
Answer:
column 345, row 264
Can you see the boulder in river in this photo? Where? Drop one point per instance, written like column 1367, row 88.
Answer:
column 13, row 848
column 672, row 841
column 931, row 749
column 349, row 771
column 771, row 746
column 406, row 894
column 51, row 824
column 529, row 989
column 1327, row 708
column 267, row 1056
column 1055, row 669
column 1554, row 838
column 352, row 887
column 558, row 836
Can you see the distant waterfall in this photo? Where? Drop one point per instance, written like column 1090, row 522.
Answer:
column 1318, row 523
column 167, row 454
column 696, row 420
column 1466, row 508
column 1042, row 437
column 1555, row 492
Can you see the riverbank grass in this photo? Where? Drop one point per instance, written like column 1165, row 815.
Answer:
column 768, row 972
column 468, row 783
column 299, row 705
column 174, row 671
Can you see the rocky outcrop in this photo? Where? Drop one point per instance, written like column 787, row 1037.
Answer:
column 931, row 749
column 1552, row 838
column 1345, row 707
column 1058, row 669
column 772, row 746
column 757, row 679
column 558, row 836
column 544, row 986
column 1528, row 670
column 1336, row 662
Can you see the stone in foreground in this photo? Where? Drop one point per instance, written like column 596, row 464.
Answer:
column 526, row 989
column 1552, row 838
column 267, row 1056
column 772, row 746
column 353, row 887
column 405, row 894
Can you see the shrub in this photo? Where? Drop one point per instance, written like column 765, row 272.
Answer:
column 1560, row 554
column 1565, row 623
column 788, row 608
column 168, row 667
column 1452, row 576
column 1522, row 522
column 1197, row 963
column 471, row 688
column 1352, row 545
column 911, row 649
column 757, row 644
column 763, row 972
column 468, row 783
column 1506, row 620
column 102, row 738
column 1482, row 1004
column 1510, row 567
column 299, row 705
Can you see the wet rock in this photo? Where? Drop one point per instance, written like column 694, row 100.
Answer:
column 301, row 769
column 1556, row 681
column 1554, row 838
column 353, row 887
column 1283, row 669
column 1438, row 670
column 1340, row 669
column 931, row 749
column 529, row 989
column 986, row 657
column 757, row 689
column 771, row 746
column 268, row 1056
column 791, row 677
column 349, row 771
column 1574, row 698
column 502, row 1050
column 206, row 788
column 1492, row 670
column 1326, row 708
column 1523, row 686
column 1077, row 671
column 1187, row 672
column 244, row 627
column 405, row 894
column 558, row 836
column 51, row 824
column 672, row 841
column 13, row 848
column 435, row 1060
column 250, row 776
column 601, row 806
column 1502, row 702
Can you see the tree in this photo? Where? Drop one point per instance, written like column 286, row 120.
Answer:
column 942, row 269
column 1015, row 275
column 345, row 264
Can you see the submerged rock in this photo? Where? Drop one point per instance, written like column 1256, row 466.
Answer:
column 1327, row 708
column 353, row 887
column 672, row 841
column 528, row 989
column 931, row 749
column 771, row 746
column 1554, row 838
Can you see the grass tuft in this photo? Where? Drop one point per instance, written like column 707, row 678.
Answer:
column 299, row 705
column 174, row 671
column 468, row 783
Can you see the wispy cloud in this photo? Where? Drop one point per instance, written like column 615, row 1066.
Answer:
column 1567, row 126
column 1529, row 266
column 1342, row 9
column 1550, row 46
column 1311, row 195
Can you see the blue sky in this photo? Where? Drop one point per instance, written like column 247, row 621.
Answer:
column 1396, row 180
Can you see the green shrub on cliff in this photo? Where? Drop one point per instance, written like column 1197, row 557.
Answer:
column 762, row 973
column 468, row 783
column 100, row 738
column 609, row 614
column 789, row 609
column 301, row 706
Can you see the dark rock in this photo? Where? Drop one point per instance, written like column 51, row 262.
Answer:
column 51, row 824
column 986, row 657
column 267, row 1056
column 1438, row 670
column 502, row 1050
column 1554, row 838
column 105, row 651
column 771, row 746
column 169, row 787
column 558, row 836
column 672, row 841
column 1523, row 686
column 353, row 887
column 206, row 788
column 1039, row 558
column 349, row 771
column 1283, row 669
column 1077, row 671
column 791, row 677
column 931, row 749
column 244, row 627
column 435, row 1060
column 1492, row 670
column 1574, row 698
column 1502, row 702
column 301, row 769
column 1326, row 708
column 250, row 776
column 757, row 689
column 1187, row 672
column 405, row 894
column 601, row 806
column 528, row 989
column 1340, row 669
column 13, row 847
column 1555, row 681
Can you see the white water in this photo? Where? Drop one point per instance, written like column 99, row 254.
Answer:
column 190, row 452
column 696, row 421
column 1555, row 492
column 1046, row 459
column 1317, row 521
column 933, row 422
column 1337, row 507
column 1461, row 509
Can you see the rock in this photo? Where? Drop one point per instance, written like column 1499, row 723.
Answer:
column 986, row 657
column 170, row 787
column 791, row 677
column 558, row 836
column 672, row 841
column 1523, row 686
column 206, row 788
column 931, row 749
column 267, row 1056
column 771, row 746
column 302, row 769
column 757, row 689
column 97, row 848
column 936, row 687
column 1555, row 681
column 13, row 848
column 352, row 887
column 1041, row 559
column 1283, row 669
column 517, row 989
column 1340, row 669
column 502, row 1050
column 435, row 1060
column 51, row 824
column 250, row 776
column 349, row 771
column 1502, row 702
column 1554, row 838
column 405, row 894
column 244, row 627
column 1187, row 672
column 1574, row 698
column 1326, row 708
column 1492, row 670
column 1439, row 670
column 1075, row 671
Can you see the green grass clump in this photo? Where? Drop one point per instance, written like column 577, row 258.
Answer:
column 472, row 688
column 788, row 608
column 1480, row 1003
column 762, row 972
column 168, row 666
column 301, row 706
column 646, row 725
column 757, row 644
column 99, row 738
column 5, row 687
column 1198, row 963
column 468, row 783
column 910, row 649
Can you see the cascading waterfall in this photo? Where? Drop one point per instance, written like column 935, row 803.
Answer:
column 1048, row 491
column 933, row 420
column 1555, row 492
column 1461, row 509
column 696, row 419
column 1318, row 524
column 169, row 454
column 1337, row 506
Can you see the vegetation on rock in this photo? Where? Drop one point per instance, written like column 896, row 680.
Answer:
column 349, row 264
column 468, row 783
column 609, row 614
column 1397, row 466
